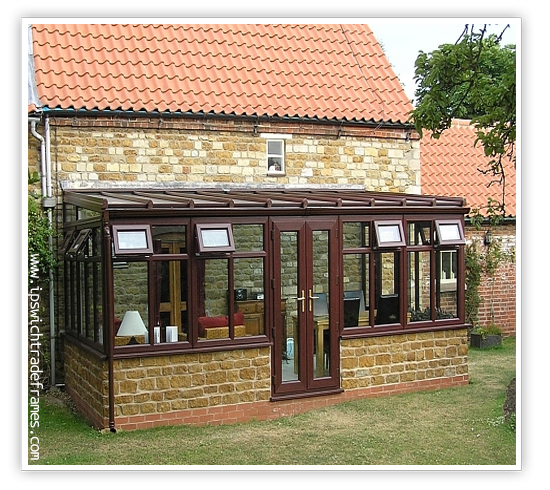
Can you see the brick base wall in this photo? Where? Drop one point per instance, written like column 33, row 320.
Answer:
column 234, row 386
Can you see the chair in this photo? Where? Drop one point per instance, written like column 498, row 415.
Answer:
column 351, row 312
column 357, row 294
column 388, row 309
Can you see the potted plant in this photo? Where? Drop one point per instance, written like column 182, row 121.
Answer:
column 483, row 337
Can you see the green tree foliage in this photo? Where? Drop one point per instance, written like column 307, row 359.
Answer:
column 39, row 233
column 475, row 78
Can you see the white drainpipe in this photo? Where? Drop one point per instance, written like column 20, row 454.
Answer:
column 48, row 202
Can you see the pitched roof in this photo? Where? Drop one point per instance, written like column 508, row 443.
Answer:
column 329, row 71
column 450, row 166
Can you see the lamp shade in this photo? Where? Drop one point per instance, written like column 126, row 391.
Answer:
column 131, row 325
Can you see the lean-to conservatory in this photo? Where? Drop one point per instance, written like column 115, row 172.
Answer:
column 204, row 306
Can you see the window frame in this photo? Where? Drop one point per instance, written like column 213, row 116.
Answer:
column 439, row 223
column 203, row 248
column 146, row 228
column 389, row 244
column 273, row 137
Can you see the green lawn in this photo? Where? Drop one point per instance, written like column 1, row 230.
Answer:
column 458, row 426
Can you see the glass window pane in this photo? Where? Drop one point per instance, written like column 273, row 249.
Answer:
column 131, row 293
column 248, row 238
column 446, row 291
column 170, row 239
column 171, row 295
column 419, row 233
column 356, row 286
column 213, row 300
column 356, row 235
column 274, row 147
column 387, row 279
column 418, row 308
column 249, row 296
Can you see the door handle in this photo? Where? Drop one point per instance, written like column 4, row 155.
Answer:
column 302, row 299
column 311, row 298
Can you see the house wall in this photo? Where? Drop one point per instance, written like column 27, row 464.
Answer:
column 235, row 386
column 500, row 297
column 143, row 151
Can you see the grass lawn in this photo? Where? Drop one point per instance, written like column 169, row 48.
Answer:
column 458, row 426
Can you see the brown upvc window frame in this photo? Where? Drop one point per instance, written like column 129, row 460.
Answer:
column 143, row 228
column 385, row 243
column 457, row 224
column 205, row 248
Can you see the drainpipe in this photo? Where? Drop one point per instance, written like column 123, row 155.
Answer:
column 48, row 203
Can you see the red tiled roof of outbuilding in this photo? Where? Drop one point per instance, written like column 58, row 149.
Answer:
column 332, row 71
column 450, row 166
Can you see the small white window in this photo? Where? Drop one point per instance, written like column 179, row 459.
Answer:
column 275, row 156
column 275, row 152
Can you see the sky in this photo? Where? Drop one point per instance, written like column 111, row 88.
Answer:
column 402, row 39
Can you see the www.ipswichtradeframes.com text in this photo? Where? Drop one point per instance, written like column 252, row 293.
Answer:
column 35, row 336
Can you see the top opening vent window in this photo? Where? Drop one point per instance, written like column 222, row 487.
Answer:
column 215, row 238
column 449, row 232
column 132, row 239
column 389, row 233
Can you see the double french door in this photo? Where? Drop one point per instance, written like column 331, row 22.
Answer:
column 306, row 289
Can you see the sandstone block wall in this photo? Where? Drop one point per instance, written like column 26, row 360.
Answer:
column 403, row 358
column 106, row 151
column 167, row 383
column 234, row 386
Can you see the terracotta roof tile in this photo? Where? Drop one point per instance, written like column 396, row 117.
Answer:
column 307, row 70
column 451, row 167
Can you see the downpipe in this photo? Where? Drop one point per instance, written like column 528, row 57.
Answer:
column 48, row 203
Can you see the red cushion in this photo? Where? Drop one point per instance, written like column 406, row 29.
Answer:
column 218, row 321
column 238, row 318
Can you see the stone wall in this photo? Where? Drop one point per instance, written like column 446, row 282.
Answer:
column 404, row 358
column 234, row 386
column 86, row 380
column 101, row 151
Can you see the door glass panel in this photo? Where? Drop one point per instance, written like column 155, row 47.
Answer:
column 319, row 302
column 290, row 295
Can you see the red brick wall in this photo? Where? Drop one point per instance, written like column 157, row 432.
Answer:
column 502, row 292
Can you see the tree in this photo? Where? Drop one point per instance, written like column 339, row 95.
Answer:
column 40, row 232
column 475, row 78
